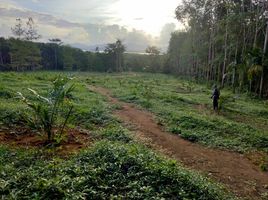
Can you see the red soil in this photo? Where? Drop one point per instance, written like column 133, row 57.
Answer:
column 73, row 140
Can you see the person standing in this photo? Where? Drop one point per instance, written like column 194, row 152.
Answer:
column 215, row 97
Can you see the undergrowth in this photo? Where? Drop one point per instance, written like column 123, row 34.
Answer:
column 109, row 170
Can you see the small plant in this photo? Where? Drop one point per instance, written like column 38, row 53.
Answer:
column 121, row 82
column 264, row 164
column 147, row 93
column 190, row 86
column 263, row 167
column 175, row 130
column 47, row 110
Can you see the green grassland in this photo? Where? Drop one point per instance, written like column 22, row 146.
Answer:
column 185, row 108
column 116, row 166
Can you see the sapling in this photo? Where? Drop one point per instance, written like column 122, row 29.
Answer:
column 47, row 110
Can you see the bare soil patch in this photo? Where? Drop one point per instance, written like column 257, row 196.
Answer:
column 234, row 170
column 73, row 140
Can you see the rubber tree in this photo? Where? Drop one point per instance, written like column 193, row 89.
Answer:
column 57, row 42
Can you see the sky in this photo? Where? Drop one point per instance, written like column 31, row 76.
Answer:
column 90, row 23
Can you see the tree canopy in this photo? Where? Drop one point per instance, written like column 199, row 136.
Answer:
column 224, row 42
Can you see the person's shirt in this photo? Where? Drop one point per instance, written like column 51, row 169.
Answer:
column 216, row 94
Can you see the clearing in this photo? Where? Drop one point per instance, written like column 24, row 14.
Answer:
column 233, row 169
column 109, row 133
column 107, row 162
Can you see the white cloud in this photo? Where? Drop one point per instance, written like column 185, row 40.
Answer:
column 86, row 35
column 152, row 14
column 8, row 4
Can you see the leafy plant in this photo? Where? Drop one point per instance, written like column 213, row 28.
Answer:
column 47, row 109
column 147, row 93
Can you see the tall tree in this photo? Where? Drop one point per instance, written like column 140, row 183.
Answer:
column 116, row 51
column 217, row 39
column 56, row 43
column 25, row 55
column 31, row 32
column 153, row 52
column 18, row 30
column 4, row 54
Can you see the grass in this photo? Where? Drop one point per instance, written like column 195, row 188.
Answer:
column 185, row 108
column 114, row 167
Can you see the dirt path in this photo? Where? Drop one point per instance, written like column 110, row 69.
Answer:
column 232, row 169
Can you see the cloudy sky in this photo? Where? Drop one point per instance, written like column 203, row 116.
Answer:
column 90, row 23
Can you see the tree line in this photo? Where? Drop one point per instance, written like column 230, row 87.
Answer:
column 225, row 41
column 22, row 55
column 24, row 52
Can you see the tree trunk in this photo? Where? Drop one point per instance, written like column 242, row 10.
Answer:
column 256, row 28
column 219, row 73
column 250, row 86
column 120, row 62
column 209, row 57
column 225, row 53
column 193, row 52
column 263, row 58
column 56, row 59
column 1, row 59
